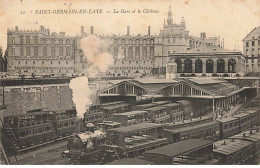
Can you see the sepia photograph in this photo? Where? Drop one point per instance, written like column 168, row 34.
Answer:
column 120, row 82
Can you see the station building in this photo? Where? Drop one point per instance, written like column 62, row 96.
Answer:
column 207, row 93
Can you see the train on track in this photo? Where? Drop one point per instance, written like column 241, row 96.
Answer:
column 37, row 127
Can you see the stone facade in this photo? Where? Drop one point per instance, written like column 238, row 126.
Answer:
column 251, row 50
column 148, row 54
column 40, row 52
column 209, row 61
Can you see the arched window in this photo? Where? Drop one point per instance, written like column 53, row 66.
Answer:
column 21, row 51
column 36, row 40
column 231, row 66
column 61, row 51
column 130, row 52
column 21, row 40
column 35, row 51
column 187, row 66
column 209, row 66
column 44, row 51
column 53, row 52
column 28, row 51
column 137, row 52
column 27, row 39
column 144, row 52
column 52, row 41
column 137, row 41
column 68, row 51
column 198, row 66
column 178, row 62
column 220, row 66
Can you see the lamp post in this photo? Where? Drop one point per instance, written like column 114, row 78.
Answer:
column 213, row 106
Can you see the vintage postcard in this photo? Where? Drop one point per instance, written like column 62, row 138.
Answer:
column 120, row 82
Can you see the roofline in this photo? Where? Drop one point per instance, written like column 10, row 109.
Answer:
column 250, row 33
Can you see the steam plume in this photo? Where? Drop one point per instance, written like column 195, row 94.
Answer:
column 99, row 59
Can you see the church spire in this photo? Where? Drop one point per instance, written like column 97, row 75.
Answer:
column 169, row 20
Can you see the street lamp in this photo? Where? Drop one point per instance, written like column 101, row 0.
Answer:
column 213, row 106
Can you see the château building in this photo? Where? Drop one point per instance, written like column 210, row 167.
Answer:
column 42, row 52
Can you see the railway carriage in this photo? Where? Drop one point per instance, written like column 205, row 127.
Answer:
column 228, row 126
column 30, row 129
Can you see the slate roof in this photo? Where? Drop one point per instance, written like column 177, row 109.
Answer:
column 179, row 148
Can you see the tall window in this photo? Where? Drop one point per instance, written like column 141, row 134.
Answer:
column 144, row 52
column 130, row 52
column 35, row 51
column 151, row 51
column 67, row 42
column 52, row 41
column 68, row 51
column 13, row 40
column 44, row 51
column 28, row 51
column 253, row 41
column 13, row 51
column 247, row 44
column 61, row 51
column 115, row 51
column 53, row 52
column 60, row 41
column 36, row 40
column 21, row 40
column 27, row 39
column 137, row 52
column 21, row 51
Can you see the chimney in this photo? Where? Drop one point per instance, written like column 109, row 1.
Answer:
column 62, row 34
column 203, row 35
column 16, row 28
column 91, row 30
column 149, row 30
column 42, row 28
column 128, row 30
column 82, row 30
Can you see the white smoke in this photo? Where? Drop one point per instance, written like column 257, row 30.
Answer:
column 96, row 52
column 80, row 94
column 120, row 54
column 99, row 59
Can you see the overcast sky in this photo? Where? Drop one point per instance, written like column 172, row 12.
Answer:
column 229, row 19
